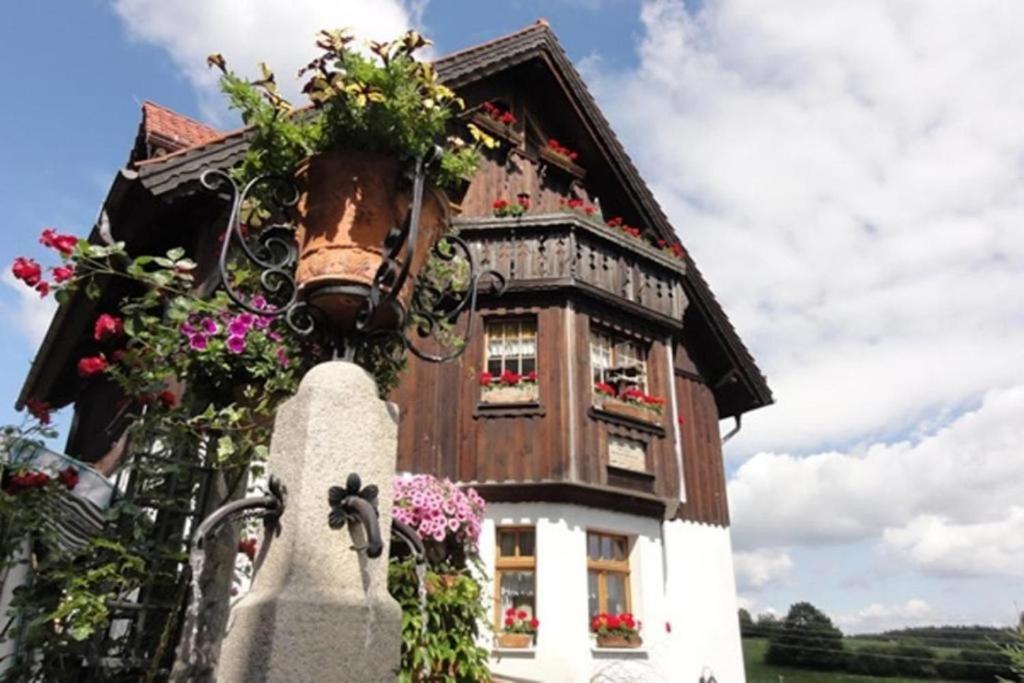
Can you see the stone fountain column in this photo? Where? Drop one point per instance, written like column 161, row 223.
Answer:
column 319, row 610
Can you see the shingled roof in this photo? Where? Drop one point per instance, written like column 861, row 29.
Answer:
column 164, row 131
column 178, row 171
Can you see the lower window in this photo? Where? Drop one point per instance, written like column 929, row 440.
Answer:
column 515, row 574
column 607, row 573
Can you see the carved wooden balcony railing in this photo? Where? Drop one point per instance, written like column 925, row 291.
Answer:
column 563, row 250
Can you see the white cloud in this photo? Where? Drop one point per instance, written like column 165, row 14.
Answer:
column 937, row 545
column 877, row 617
column 849, row 177
column 759, row 568
column 29, row 314
column 941, row 502
column 247, row 32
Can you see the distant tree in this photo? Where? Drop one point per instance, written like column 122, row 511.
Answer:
column 767, row 624
column 1014, row 651
column 746, row 624
column 808, row 639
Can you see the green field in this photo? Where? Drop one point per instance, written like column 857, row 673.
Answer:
column 759, row 672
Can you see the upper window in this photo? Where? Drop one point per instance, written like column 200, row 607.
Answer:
column 607, row 573
column 515, row 575
column 613, row 359
column 512, row 346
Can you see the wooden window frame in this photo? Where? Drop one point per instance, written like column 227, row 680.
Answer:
column 515, row 563
column 605, row 567
column 488, row 322
column 616, row 341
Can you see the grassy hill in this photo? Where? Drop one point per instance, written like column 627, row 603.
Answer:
column 759, row 672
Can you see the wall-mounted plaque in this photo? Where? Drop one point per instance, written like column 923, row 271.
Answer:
column 627, row 454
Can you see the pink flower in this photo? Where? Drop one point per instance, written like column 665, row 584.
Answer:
column 63, row 273
column 27, row 270
column 92, row 365
column 107, row 327
column 236, row 344
column 282, row 356
column 65, row 244
column 197, row 342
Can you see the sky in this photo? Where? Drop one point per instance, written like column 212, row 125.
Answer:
column 848, row 175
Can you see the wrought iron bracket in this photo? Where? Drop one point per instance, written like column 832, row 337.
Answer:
column 274, row 253
column 269, row 507
column 354, row 503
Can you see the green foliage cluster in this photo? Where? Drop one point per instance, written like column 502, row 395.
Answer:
column 807, row 639
column 389, row 102
column 440, row 623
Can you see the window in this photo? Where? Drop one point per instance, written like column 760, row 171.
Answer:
column 511, row 345
column 607, row 573
column 515, row 572
column 609, row 355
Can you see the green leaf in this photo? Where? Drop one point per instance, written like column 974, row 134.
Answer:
column 225, row 448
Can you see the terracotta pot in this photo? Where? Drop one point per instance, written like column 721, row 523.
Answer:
column 515, row 640
column 614, row 405
column 617, row 640
column 348, row 202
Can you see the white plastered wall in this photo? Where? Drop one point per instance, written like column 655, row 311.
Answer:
column 688, row 613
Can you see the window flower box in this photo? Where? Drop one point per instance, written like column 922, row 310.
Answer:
column 520, row 629
column 510, row 387
column 561, row 161
column 631, row 403
column 616, row 630
column 619, row 641
column 499, row 127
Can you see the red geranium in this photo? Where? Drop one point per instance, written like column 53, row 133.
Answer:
column 43, row 288
column 167, row 398
column 92, row 365
column 26, row 481
column 65, row 244
column 499, row 203
column 63, row 273
column 510, row 378
column 486, row 378
column 69, row 477
column 531, row 376
column 39, row 410
column 519, row 621
column 604, row 388
column 618, row 624
column 107, row 327
column 27, row 270
column 615, row 222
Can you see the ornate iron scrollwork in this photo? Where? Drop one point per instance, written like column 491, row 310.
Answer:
column 435, row 305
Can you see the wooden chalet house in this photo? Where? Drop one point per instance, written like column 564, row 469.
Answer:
column 604, row 474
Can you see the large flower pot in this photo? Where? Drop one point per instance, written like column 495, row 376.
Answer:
column 348, row 202
column 618, row 640
column 515, row 641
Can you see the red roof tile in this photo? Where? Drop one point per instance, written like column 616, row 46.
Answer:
column 172, row 130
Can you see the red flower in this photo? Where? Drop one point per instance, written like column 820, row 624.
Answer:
column 595, row 623
column 631, row 231
column 509, row 622
column 500, row 204
column 26, row 481
column 661, row 244
column 615, row 222
column 589, row 210
column 63, row 273
column 604, row 388
column 69, row 477
column 613, row 621
column 485, row 378
column 248, row 546
column 40, row 410
column 511, row 379
column 146, row 399
column 680, row 420
column 521, row 614
column 510, row 612
column 27, row 270
column 534, row 624
column 65, row 244
column 167, row 398
column 92, row 365
column 107, row 327
column 43, row 288
column 531, row 376
column 508, row 118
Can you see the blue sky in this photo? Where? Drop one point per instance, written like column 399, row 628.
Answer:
column 848, row 176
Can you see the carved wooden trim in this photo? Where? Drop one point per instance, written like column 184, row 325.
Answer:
column 603, row 497
column 493, row 410
column 598, row 413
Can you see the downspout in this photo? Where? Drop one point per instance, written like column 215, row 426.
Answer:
column 735, row 430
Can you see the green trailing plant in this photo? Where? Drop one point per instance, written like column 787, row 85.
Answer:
column 386, row 102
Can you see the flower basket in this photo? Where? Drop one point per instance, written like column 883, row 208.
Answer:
column 523, row 393
column 515, row 641
column 619, row 640
column 348, row 202
column 630, row 410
